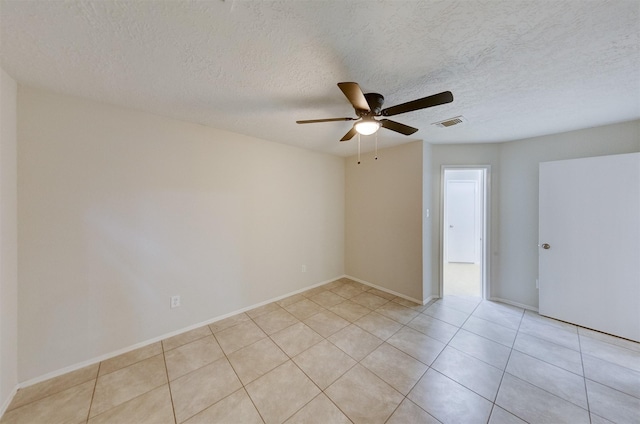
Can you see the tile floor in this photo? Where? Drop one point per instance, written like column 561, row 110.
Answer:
column 461, row 279
column 345, row 353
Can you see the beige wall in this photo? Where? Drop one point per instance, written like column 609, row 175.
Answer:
column 383, row 219
column 8, row 241
column 119, row 210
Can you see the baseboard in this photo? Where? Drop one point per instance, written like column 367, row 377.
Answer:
column 430, row 298
column 127, row 349
column 384, row 289
column 512, row 303
column 7, row 402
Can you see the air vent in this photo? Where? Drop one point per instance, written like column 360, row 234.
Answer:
column 450, row 122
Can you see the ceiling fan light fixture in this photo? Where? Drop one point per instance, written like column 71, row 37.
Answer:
column 367, row 126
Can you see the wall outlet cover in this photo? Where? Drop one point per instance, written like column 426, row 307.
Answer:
column 175, row 301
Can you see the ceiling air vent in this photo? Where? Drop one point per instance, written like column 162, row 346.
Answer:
column 450, row 122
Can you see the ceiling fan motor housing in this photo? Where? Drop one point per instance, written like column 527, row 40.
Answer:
column 375, row 102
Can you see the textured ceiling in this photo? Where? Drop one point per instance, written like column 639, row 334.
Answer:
column 516, row 68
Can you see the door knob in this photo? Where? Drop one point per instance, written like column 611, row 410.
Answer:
column 545, row 246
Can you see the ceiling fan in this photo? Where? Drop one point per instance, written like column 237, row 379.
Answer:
column 369, row 106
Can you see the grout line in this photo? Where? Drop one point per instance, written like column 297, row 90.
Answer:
column 136, row 361
column 285, row 353
column 504, row 371
column 402, row 326
column 38, row 399
column 604, row 340
column 356, row 362
column 544, row 360
column 166, row 370
column 547, row 391
column 584, row 378
column 322, row 392
column 128, row 401
column 429, row 367
column 94, row 391
column 548, row 363
column 244, row 387
column 611, row 387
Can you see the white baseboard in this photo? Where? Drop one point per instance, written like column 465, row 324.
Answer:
column 498, row 299
column 7, row 401
column 384, row 289
column 430, row 298
column 110, row 355
column 512, row 303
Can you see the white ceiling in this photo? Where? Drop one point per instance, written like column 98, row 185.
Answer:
column 516, row 68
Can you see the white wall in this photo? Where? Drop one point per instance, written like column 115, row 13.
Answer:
column 8, row 241
column 119, row 210
column 519, row 164
column 383, row 219
column 514, row 197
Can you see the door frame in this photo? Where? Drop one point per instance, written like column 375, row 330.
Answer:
column 486, row 225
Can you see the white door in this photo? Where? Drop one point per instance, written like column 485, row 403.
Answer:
column 589, row 235
column 461, row 221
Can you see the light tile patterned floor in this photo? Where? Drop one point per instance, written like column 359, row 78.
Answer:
column 345, row 353
column 461, row 279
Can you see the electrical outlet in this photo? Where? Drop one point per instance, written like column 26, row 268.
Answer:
column 303, row 268
column 537, row 283
column 175, row 301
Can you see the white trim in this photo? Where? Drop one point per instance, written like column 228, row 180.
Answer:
column 127, row 349
column 430, row 298
column 512, row 303
column 7, row 402
column 110, row 355
column 384, row 289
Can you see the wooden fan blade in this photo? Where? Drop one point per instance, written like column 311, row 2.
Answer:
column 425, row 102
column 313, row 121
column 349, row 135
column 355, row 95
column 397, row 127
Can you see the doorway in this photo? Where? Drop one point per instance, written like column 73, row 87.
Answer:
column 463, row 231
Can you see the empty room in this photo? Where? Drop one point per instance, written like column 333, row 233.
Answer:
column 331, row 211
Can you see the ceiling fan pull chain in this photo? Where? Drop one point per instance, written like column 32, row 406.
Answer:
column 376, row 146
column 358, row 148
